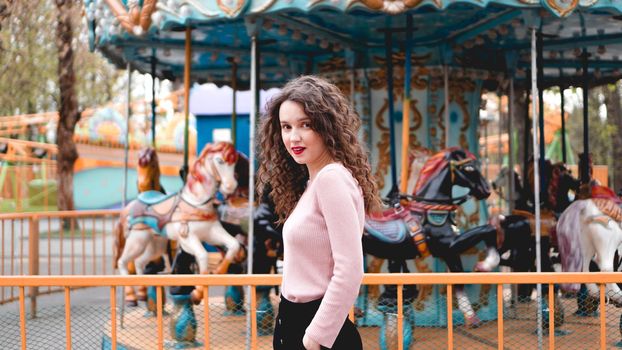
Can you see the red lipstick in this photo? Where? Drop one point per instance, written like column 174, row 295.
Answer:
column 298, row 150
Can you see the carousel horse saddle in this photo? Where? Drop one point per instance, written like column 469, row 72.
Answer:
column 392, row 226
column 143, row 213
column 390, row 231
column 153, row 197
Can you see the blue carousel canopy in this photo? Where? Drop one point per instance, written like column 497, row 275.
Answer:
column 487, row 39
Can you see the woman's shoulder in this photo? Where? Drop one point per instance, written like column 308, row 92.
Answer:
column 335, row 173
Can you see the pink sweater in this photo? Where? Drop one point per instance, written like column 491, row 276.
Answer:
column 323, row 256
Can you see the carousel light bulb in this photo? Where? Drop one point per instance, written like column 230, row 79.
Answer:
column 601, row 49
column 282, row 61
column 156, row 18
column 214, row 56
column 492, row 34
column 577, row 52
column 185, row 11
column 138, row 30
column 296, row 35
column 516, row 23
column 167, row 52
column 267, row 24
column 324, row 44
column 503, row 30
column 237, row 59
column 552, row 55
column 310, row 40
column 282, row 30
column 337, row 47
column 468, row 44
column 479, row 40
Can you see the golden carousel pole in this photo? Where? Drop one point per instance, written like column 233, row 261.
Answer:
column 406, row 106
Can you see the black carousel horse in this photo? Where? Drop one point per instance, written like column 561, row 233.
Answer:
column 426, row 225
column 519, row 227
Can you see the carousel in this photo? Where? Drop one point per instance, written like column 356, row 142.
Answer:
column 415, row 71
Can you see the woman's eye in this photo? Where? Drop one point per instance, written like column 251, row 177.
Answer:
column 285, row 127
column 306, row 125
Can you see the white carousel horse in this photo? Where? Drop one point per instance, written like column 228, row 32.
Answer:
column 188, row 217
column 591, row 228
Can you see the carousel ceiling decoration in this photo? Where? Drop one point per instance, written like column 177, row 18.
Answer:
column 309, row 36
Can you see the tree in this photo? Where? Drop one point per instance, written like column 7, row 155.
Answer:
column 614, row 120
column 68, row 114
column 600, row 133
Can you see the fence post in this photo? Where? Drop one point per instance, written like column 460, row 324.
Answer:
column 33, row 260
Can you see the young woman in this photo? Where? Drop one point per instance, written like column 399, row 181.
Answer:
column 321, row 184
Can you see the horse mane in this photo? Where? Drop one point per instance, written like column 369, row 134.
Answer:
column 228, row 152
column 436, row 164
column 417, row 159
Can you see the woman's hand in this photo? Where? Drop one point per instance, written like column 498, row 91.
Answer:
column 309, row 343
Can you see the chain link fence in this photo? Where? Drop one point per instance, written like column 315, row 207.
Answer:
column 577, row 320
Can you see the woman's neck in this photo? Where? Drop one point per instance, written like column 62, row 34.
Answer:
column 317, row 165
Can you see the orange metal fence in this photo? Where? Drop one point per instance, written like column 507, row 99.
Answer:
column 253, row 281
column 54, row 243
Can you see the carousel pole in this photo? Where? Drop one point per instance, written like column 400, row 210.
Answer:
column 406, row 106
column 563, row 112
column 234, row 87
column 153, row 99
column 540, row 67
column 511, row 146
column 388, row 35
column 446, row 87
column 536, row 174
column 585, row 171
column 254, row 114
column 125, row 166
column 188, row 62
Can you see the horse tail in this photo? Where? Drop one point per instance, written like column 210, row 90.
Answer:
column 569, row 241
column 119, row 240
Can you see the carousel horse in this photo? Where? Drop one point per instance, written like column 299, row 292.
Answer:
column 519, row 227
column 188, row 217
column 426, row 225
column 148, row 171
column 591, row 228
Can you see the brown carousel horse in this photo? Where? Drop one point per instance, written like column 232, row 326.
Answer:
column 148, row 171
column 188, row 217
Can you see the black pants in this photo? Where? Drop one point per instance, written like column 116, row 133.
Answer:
column 294, row 318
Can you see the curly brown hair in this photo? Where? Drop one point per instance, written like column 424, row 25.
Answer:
column 335, row 120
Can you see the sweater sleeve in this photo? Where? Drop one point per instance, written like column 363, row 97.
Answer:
column 340, row 201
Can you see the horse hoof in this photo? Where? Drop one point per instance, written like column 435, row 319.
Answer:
column 472, row 322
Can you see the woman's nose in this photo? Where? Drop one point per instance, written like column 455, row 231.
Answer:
column 294, row 135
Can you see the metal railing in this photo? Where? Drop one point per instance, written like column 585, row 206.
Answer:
column 54, row 243
column 450, row 280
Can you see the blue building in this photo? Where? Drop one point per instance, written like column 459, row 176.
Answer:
column 212, row 107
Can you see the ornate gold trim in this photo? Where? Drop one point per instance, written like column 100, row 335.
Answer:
column 561, row 11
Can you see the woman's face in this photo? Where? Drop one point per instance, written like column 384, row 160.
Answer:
column 302, row 142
